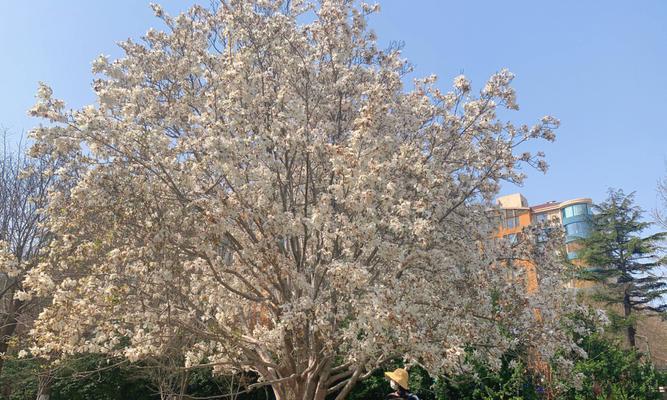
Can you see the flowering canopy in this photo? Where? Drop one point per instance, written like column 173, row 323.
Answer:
column 268, row 189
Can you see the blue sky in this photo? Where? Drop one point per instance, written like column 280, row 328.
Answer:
column 598, row 66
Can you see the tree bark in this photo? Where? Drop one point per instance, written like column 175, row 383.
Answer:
column 630, row 330
column 3, row 350
column 313, row 387
column 7, row 328
column 6, row 390
column 317, row 385
column 44, row 386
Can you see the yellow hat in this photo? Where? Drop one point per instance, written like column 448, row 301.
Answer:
column 399, row 376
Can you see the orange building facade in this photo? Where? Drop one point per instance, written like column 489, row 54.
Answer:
column 573, row 215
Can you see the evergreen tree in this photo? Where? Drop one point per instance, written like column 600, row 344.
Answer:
column 623, row 262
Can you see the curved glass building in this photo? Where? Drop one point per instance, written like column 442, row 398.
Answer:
column 574, row 215
column 576, row 219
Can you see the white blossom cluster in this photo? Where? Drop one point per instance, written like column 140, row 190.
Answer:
column 8, row 263
column 269, row 189
column 11, row 269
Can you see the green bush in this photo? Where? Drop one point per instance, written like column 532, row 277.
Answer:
column 610, row 371
column 92, row 377
column 18, row 380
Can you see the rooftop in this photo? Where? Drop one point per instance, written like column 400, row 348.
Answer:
column 518, row 201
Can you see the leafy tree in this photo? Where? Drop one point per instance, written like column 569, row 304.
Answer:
column 18, row 379
column 513, row 380
column 604, row 370
column 93, row 376
column 82, row 378
column 623, row 262
column 611, row 372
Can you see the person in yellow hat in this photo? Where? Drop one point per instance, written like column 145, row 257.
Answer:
column 398, row 380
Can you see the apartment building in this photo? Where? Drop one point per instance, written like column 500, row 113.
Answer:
column 573, row 215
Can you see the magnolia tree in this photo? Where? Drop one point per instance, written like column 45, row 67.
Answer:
column 259, row 180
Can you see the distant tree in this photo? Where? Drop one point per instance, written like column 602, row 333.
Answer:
column 606, row 370
column 660, row 213
column 622, row 261
column 23, row 192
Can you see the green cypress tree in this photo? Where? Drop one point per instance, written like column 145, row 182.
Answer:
column 623, row 262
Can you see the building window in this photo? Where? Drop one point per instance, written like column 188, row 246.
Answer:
column 512, row 222
column 540, row 218
column 575, row 210
column 512, row 238
column 511, row 219
column 543, row 235
column 578, row 229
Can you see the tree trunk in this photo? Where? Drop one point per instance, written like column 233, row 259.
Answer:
column 315, row 386
column 630, row 330
column 6, row 390
column 3, row 350
column 7, row 328
column 631, row 336
column 44, row 386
